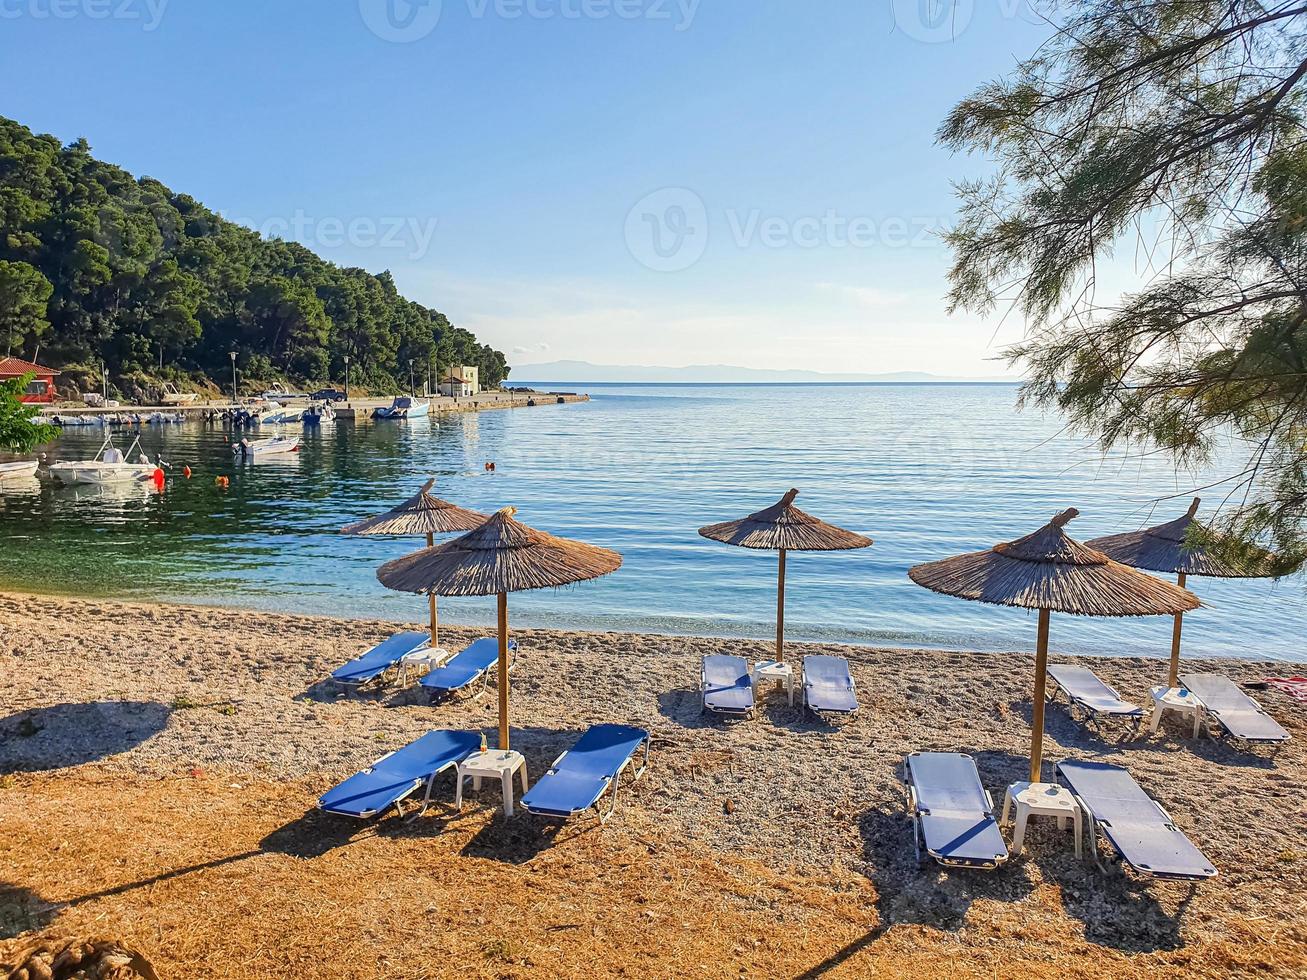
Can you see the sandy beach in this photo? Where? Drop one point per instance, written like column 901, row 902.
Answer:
column 161, row 764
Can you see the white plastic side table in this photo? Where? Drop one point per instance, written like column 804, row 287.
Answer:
column 1178, row 699
column 493, row 764
column 769, row 671
column 1040, row 800
column 427, row 657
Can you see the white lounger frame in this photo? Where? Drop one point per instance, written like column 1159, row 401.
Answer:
column 1118, row 859
column 399, row 809
column 614, row 783
column 439, row 694
column 703, row 689
column 910, row 805
column 1091, row 716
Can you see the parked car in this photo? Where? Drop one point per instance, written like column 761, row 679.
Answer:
column 328, row 395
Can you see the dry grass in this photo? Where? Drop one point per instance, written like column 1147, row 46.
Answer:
column 214, row 878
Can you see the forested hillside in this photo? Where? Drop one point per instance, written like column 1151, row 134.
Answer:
column 96, row 264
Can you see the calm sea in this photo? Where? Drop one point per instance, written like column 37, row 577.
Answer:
column 927, row 470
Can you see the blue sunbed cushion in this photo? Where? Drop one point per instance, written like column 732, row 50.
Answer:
column 828, row 684
column 465, row 667
column 391, row 779
column 575, row 782
column 1137, row 827
column 728, row 688
column 380, row 658
column 957, row 825
column 1085, row 688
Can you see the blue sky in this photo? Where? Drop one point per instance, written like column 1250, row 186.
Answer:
column 751, row 182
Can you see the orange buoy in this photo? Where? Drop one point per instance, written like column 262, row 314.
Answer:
column 158, row 478
column 186, row 472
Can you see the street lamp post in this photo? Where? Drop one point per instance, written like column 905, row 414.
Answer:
column 412, row 391
column 104, row 380
column 235, row 395
column 346, row 379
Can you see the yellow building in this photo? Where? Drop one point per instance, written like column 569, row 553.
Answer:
column 460, row 382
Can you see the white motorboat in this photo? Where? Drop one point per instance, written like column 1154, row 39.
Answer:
column 166, row 418
column 404, row 408
column 21, row 470
column 109, row 466
column 319, row 414
column 265, row 447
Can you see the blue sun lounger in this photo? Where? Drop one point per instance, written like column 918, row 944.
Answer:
column 580, row 776
column 727, row 685
column 1134, row 823
column 381, row 659
column 1087, row 693
column 390, row 779
column 465, row 668
column 952, row 815
column 828, row 685
column 1239, row 716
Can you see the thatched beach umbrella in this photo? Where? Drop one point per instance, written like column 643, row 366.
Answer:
column 1052, row 572
column 421, row 514
column 783, row 527
column 499, row 557
column 1169, row 548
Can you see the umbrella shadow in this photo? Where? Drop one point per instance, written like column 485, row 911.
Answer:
column 926, row 894
column 1119, row 911
column 1069, row 733
column 22, row 910
column 66, row 735
column 684, row 705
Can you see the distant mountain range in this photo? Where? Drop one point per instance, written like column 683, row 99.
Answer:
column 584, row 371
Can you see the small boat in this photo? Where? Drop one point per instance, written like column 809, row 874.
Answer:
column 319, row 415
column 166, row 418
column 265, row 447
column 75, row 421
column 109, row 466
column 404, row 408
column 22, row 470
column 289, row 416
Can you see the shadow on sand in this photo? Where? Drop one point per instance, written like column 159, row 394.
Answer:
column 67, row 735
column 22, row 911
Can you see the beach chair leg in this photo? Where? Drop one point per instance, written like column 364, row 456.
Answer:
column 1007, row 805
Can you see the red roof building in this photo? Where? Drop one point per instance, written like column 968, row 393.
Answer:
column 40, row 388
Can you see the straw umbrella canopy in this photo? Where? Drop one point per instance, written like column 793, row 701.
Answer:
column 1051, row 572
column 783, row 527
column 1168, row 548
column 500, row 556
column 421, row 514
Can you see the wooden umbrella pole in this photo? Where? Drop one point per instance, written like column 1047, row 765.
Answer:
column 503, row 671
column 431, row 599
column 1037, row 721
column 1174, row 677
column 780, row 610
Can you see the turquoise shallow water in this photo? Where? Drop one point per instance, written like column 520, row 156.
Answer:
column 926, row 470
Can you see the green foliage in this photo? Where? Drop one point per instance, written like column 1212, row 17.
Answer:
column 18, row 433
column 95, row 264
column 1178, row 123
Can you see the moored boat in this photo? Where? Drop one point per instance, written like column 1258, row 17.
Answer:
column 265, row 447
column 109, row 466
column 22, row 470
column 404, row 407
column 318, row 415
